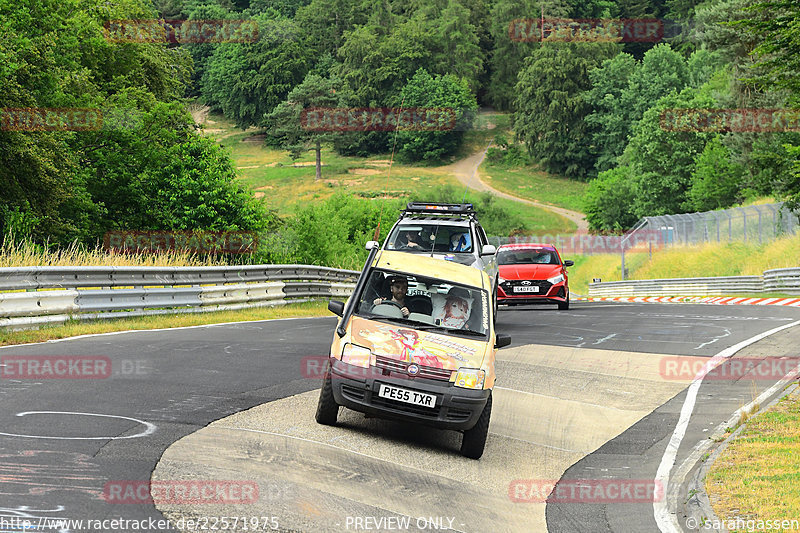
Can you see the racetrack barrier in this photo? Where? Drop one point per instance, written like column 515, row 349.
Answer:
column 781, row 280
column 32, row 296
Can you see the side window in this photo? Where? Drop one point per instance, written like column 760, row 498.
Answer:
column 481, row 236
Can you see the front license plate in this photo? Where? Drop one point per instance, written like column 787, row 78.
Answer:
column 407, row 396
column 532, row 288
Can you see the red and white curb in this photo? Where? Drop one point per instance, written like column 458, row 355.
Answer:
column 714, row 300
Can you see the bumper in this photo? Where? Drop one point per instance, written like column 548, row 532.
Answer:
column 456, row 408
column 556, row 293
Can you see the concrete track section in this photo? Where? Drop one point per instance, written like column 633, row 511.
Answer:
column 366, row 473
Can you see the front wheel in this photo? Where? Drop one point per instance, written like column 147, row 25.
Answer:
column 327, row 408
column 563, row 306
column 474, row 440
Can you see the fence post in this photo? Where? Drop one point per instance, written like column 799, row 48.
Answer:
column 730, row 225
column 744, row 223
column 759, row 224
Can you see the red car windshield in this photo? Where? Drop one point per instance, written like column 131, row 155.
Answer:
column 530, row 256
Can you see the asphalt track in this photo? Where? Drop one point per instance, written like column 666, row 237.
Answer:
column 57, row 454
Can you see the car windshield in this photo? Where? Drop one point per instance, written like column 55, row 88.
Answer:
column 430, row 238
column 530, row 256
column 425, row 303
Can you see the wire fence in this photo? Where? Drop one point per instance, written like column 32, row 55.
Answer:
column 753, row 224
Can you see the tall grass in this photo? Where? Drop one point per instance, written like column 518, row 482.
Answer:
column 23, row 252
column 706, row 260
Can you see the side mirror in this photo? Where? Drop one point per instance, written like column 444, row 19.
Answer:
column 568, row 263
column 336, row 307
column 373, row 244
column 488, row 249
column 502, row 340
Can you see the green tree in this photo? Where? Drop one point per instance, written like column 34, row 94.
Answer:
column 247, row 80
column 325, row 22
column 623, row 89
column 662, row 72
column 609, row 199
column 145, row 166
column 551, row 109
column 442, row 92
column 513, row 43
column 716, row 180
column 608, row 118
column 456, row 44
column 775, row 25
column 662, row 156
column 287, row 124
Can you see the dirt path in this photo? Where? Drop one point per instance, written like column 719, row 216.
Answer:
column 466, row 170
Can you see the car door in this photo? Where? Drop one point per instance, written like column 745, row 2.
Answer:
column 489, row 263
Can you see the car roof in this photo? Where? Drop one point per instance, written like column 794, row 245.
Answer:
column 440, row 220
column 422, row 265
column 525, row 246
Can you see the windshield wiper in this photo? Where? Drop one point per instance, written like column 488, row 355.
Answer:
column 469, row 332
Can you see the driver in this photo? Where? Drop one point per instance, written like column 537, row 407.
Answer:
column 411, row 239
column 399, row 287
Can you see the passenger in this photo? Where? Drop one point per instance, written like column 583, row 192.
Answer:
column 456, row 309
column 459, row 242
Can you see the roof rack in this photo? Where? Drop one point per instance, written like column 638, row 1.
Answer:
column 434, row 208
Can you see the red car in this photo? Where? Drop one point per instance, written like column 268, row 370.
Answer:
column 532, row 273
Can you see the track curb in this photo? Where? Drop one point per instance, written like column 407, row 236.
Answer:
column 709, row 300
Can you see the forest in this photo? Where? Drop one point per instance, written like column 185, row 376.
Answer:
column 655, row 120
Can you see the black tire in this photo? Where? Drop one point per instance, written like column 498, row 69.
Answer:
column 563, row 306
column 474, row 440
column 327, row 408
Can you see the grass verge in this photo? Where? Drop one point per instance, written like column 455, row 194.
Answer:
column 757, row 477
column 707, row 260
column 26, row 253
column 537, row 185
column 177, row 320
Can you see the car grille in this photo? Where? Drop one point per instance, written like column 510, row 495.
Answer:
column 430, row 372
column 508, row 286
column 354, row 393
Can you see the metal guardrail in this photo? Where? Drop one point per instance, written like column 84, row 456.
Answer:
column 58, row 294
column 783, row 280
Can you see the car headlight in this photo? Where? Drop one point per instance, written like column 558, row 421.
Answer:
column 500, row 280
column 470, row 378
column 356, row 355
column 556, row 279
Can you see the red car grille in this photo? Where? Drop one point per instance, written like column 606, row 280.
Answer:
column 508, row 287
